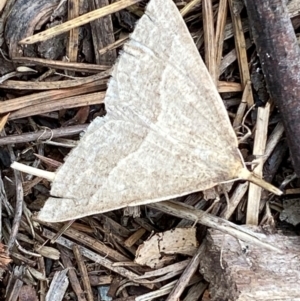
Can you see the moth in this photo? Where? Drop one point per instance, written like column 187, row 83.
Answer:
column 166, row 132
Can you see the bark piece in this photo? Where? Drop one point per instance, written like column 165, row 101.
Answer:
column 103, row 34
column 28, row 293
column 291, row 212
column 239, row 271
column 279, row 54
column 177, row 241
column 58, row 286
column 23, row 19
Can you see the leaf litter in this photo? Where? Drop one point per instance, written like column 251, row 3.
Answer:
column 102, row 237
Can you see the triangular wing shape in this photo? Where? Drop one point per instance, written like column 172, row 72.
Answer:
column 166, row 132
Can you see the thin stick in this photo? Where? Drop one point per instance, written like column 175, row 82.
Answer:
column 242, row 107
column 83, row 272
column 209, row 39
column 33, row 171
column 43, row 283
column 113, row 45
column 188, row 212
column 19, row 206
column 74, row 66
column 74, row 281
column 43, row 135
column 65, row 103
column 254, row 195
column 235, row 199
column 185, row 277
column 3, row 200
column 72, row 49
column 189, row 7
column 79, row 21
column 26, row 85
column 220, row 30
column 273, row 140
column 39, row 98
column 101, row 260
column 240, row 44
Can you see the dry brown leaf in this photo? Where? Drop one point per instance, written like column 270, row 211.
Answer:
column 177, row 241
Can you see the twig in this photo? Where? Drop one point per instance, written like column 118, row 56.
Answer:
column 113, row 45
column 243, row 106
column 62, row 230
column 186, row 276
column 274, row 154
column 97, row 258
column 254, row 195
column 72, row 274
column 132, row 239
column 3, row 121
column 209, row 39
column 88, row 241
column 273, row 140
column 26, row 85
column 220, row 30
column 79, row 21
column 188, row 7
column 3, row 199
column 235, row 199
column 102, row 34
column 47, row 96
column 43, row 284
column 18, row 210
column 199, row 216
column 196, row 291
column 72, row 49
column 224, row 87
column 72, row 66
column 65, row 103
column 240, row 49
column 231, row 57
column 279, row 54
column 43, row 134
column 83, row 272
